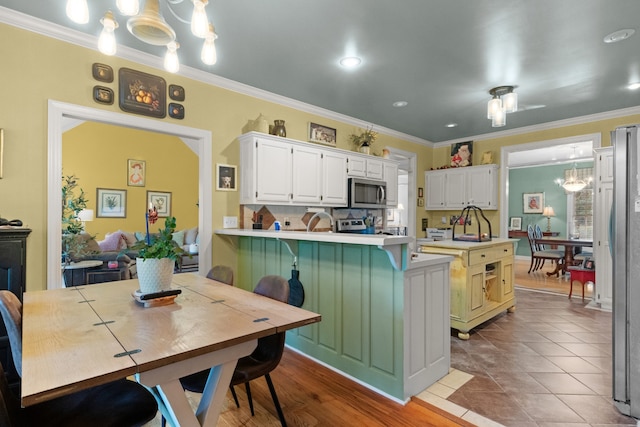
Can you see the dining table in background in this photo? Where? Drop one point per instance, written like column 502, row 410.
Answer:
column 569, row 247
column 75, row 338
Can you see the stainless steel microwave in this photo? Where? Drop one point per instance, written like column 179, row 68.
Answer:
column 367, row 193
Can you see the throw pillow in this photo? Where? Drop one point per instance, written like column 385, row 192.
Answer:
column 190, row 236
column 140, row 235
column 130, row 238
column 111, row 242
column 178, row 237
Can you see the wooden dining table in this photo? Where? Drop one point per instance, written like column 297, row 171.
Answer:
column 569, row 247
column 75, row 338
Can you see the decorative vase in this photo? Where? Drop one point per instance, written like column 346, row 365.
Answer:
column 154, row 275
column 279, row 129
column 364, row 148
column 261, row 124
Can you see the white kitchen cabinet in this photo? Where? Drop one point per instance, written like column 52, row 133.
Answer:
column 603, row 200
column 279, row 171
column 457, row 188
column 365, row 166
column 390, row 176
column 334, row 179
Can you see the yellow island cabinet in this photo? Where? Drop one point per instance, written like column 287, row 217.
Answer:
column 481, row 280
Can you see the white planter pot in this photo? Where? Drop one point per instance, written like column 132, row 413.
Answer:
column 154, row 275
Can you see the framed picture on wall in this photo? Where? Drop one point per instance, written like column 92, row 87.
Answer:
column 226, row 179
column 162, row 202
column 111, row 203
column 136, row 171
column 533, row 203
column 516, row 223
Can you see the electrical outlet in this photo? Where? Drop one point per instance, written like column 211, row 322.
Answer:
column 229, row 222
column 425, row 224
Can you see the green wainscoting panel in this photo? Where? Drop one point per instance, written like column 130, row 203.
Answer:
column 359, row 295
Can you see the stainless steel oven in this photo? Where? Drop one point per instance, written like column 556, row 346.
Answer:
column 367, row 193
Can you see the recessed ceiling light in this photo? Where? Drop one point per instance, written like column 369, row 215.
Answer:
column 634, row 86
column 400, row 104
column 350, row 62
column 451, row 125
column 619, row 35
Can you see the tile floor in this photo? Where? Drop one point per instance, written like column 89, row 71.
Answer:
column 548, row 364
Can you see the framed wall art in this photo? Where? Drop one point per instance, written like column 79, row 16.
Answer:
column 111, row 203
column 162, row 202
column 136, row 172
column 515, row 223
column 226, row 177
column 322, row 134
column 533, row 203
column 461, row 153
column 142, row 93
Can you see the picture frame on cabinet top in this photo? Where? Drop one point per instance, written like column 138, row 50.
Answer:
column 322, row 134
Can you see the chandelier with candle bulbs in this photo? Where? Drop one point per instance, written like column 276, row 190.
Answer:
column 150, row 27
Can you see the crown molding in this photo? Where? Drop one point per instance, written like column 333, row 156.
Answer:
column 68, row 35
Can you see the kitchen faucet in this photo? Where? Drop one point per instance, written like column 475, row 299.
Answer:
column 318, row 214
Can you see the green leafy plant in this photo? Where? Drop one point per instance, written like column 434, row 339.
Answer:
column 364, row 139
column 73, row 201
column 160, row 245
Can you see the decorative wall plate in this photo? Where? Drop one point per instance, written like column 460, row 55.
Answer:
column 176, row 111
column 102, row 72
column 103, row 95
column 176, row 92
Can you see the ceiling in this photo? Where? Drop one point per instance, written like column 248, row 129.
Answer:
column 440, row 56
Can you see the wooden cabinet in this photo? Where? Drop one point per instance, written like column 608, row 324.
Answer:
column 482, row 280
column 13, row 256
column 603, row 201
column 456, row 188
column 275, row 171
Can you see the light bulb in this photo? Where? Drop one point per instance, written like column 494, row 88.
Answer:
column 107, row 39
column 209, row 55
column 510, row 102
column 171, row 62
column 78, row 11
column 199, row 20
column 493, row 106
column 128, row 7
column 499, row 119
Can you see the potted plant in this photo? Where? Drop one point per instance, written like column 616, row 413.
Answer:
column 72, row 203
column 364, row 140
column 157, row 256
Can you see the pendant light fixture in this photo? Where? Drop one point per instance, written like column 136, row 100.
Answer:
column 150, row 27
column 503, row 100
column 573, row 184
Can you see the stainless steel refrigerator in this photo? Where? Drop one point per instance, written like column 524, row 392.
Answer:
column 625, row 232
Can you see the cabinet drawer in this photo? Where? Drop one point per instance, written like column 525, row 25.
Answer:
column 504, row 251
column 482, row 256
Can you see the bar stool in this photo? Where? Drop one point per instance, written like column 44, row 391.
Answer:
column 582, row 275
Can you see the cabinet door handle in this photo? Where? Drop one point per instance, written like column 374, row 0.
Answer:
column 482, row 256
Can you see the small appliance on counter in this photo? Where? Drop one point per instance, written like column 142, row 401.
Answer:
column 351, row 226
column 437, row 234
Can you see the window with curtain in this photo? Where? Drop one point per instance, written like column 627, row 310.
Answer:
column 580, row 205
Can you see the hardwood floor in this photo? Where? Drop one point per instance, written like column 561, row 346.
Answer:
column 540, row 281
column 312, row 395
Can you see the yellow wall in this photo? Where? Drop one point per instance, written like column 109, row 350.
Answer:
column 97, row 155
column 36, row 69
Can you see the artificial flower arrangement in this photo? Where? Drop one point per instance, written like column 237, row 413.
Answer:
column 364, row 140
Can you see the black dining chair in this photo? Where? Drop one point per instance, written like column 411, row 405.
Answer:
column 538, row 256
column 264, row 359
column 116, row 404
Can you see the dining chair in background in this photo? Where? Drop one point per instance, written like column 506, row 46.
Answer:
column 264, row 359
column 221, row 273
column 539, row 256
column 116, row 404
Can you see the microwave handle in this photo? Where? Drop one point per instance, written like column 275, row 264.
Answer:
column 381, row 192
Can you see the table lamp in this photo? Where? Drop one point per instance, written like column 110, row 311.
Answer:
column 85, row 215
column 548, row 212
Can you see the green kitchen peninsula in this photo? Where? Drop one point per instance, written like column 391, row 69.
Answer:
column 385, row 311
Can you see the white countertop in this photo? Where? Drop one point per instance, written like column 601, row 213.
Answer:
column 354, row 239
